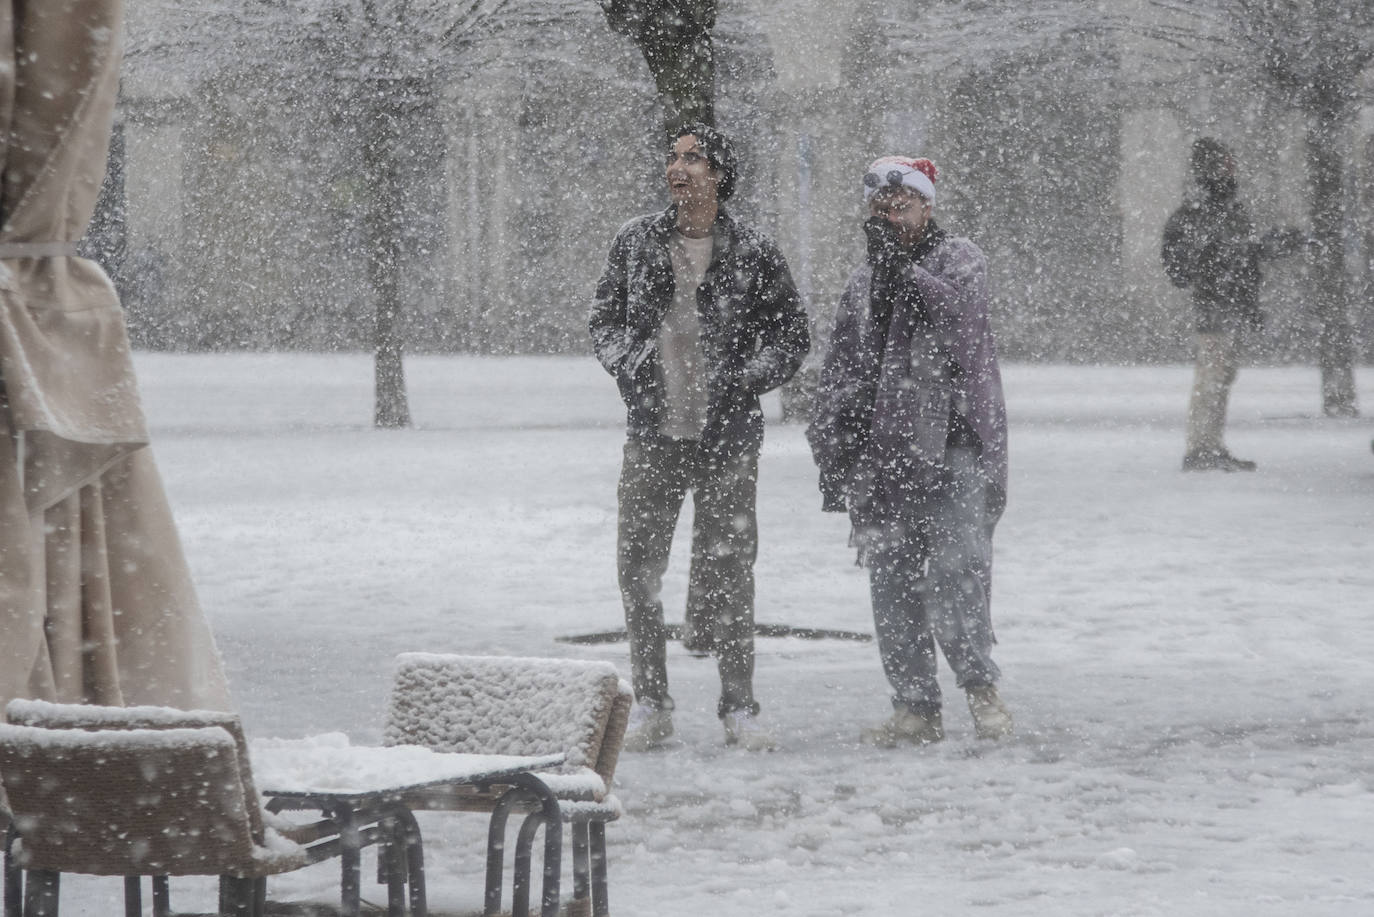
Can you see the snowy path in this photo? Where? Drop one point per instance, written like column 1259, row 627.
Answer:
column 1188, row 656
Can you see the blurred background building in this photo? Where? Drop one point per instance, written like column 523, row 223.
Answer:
column 235, row 211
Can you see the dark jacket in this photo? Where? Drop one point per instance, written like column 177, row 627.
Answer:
column 1210, row 247
column 891, row 401
column 753, row 329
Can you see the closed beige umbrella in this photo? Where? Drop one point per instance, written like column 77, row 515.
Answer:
column 96, row 604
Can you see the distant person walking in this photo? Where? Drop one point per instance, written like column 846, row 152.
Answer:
column 695, row 316
column 1210, row 247
column 910, row 436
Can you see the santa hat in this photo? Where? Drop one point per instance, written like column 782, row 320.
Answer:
column 900, row 172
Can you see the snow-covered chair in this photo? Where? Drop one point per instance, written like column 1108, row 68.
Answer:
column 274, row 844
column 46, row 715
column 522, row 706
column 136, row 802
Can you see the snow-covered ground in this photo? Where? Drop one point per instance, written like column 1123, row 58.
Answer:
column 1188, row 656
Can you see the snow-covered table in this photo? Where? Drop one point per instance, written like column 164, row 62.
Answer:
column 353, row 785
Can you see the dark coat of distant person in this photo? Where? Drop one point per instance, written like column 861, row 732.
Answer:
column 1210, row 246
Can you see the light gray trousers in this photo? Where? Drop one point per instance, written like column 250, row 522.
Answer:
column 931, row 582
column 1212, row 379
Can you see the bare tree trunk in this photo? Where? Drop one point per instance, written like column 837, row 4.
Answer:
column 675, row 39
column 381, row 146
column 1336, row 355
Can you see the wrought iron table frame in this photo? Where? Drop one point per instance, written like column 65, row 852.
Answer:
column 401, row 855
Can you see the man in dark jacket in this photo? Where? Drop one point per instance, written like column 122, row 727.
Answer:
column 695, row 316
column 1210, row 247
column 910, row 436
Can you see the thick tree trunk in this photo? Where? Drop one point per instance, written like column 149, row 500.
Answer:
column 1336, row 355
column 381, row 146
column 684, row 71
column 675, row 39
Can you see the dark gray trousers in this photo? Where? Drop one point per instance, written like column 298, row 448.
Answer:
column 654, row 480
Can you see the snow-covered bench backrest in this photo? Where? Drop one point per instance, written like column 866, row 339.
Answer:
column 510, row 706
column 92, row 717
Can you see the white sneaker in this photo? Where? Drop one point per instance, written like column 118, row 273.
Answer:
column 647, row 728
column 991, row 718
column 743, row 728
column 905, row 727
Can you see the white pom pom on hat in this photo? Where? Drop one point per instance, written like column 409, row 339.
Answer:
column 899, row 171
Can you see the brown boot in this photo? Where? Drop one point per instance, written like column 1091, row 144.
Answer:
column 648, row 728
column 905, row 727
column 991, row 718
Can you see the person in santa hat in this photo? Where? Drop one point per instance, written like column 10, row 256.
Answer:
column 910, row 437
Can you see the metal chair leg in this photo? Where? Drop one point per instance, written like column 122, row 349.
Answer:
column 553, row 839
column 524, row 856
column 350, row 862
column 14, row 876
column 496, row 853
column 162, row 897
column 601, row 906
column 133, row 896
column 581, row 899
column 529, row 790
column 238, row 896
column 414, row 862
column 41, row 888
column 552, row 872
column 391, row 864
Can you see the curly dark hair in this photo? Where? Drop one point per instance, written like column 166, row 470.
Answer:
column 720, row 153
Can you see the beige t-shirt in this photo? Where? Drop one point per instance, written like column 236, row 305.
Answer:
column 679, row 341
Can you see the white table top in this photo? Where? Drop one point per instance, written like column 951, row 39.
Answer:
column 329, row 766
